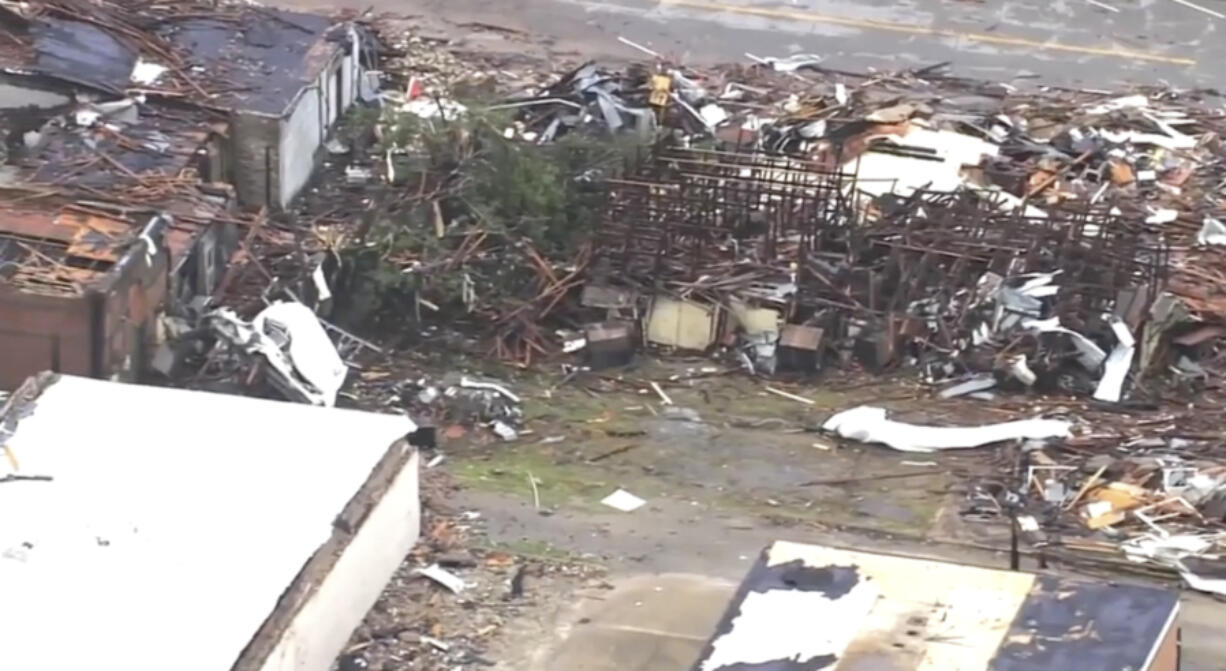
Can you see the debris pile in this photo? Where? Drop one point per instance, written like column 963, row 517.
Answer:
column 1075, row 483
column 795, row 218
column 1156, row 501
column 1047, row 237
column 454, row 597
column 466, row 401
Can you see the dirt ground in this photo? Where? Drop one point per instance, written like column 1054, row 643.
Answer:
column 725, row 470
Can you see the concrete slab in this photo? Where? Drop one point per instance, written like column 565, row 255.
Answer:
column 649, row 623
column 601, row 649
column 672, row 605
column 645, row 623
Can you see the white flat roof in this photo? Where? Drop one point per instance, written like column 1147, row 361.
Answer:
column 173, row 521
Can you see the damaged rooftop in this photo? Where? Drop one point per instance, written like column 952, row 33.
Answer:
column 50, row 250
column 100, row 148
column 265, row 55
column 234, row 57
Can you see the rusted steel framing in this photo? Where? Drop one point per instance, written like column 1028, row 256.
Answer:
column 678, row 215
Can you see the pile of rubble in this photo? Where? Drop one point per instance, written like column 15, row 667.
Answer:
column 1051, row 238
column 996, row 239
column 797, row 218
column 466, row 401
column 1080, row 481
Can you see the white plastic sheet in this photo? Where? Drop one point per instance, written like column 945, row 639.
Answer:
column 869, row 425
column 624, row 501
column 146, row 73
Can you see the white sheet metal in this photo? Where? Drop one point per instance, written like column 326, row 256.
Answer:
column 1212, row 232
column 1111, row 384
column 174, row 520
column 869, row 425
column 310, row 349
column 1091, row 356
column 1201, row 583
column 880, row 173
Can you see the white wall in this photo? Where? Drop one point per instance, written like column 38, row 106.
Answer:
column 321, row 628
column 307, row 126
column 301, row 134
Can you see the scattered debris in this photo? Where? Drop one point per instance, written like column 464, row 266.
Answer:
column 624, row 501
column 468, row 383
column 416, row 624
column 441, row 576
column 1002, row 242
column 978, row 383
column 789, row 396
column 664, row 398
column 460, row 400
column 1147, row 500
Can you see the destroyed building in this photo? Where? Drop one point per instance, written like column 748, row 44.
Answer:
column 279, row 80
column 291, row 76
column 79, row 289
column 116, row 116
column 76, row 205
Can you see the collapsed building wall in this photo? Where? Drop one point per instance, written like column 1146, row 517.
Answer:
column 80, row 321
column 42, row 333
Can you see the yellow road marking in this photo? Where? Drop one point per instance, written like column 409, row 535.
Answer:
column 891, row 26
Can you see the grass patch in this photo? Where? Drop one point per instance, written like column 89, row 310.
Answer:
column 507, row 472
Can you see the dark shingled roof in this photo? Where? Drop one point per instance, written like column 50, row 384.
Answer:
column 81, row 52
column 243, row 58
column 265, row 59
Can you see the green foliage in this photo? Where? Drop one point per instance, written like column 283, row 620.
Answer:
column 467, row 170
column 542, row 194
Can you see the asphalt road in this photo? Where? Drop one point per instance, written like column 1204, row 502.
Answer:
column 1069, row 42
